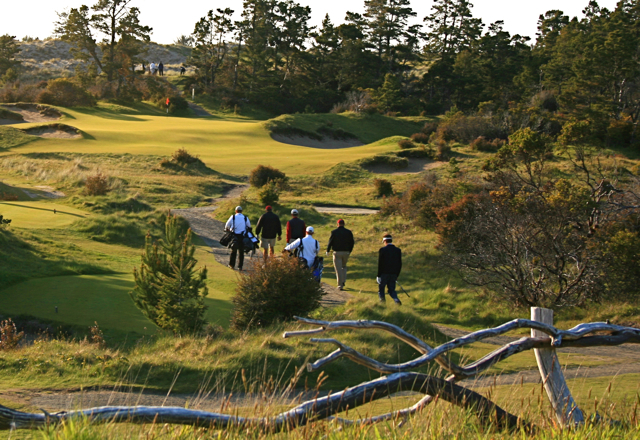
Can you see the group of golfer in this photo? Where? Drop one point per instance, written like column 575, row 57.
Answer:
column 300, row 236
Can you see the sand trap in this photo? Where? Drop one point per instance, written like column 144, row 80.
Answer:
column 415, row 166
column 33, row 113
column 55, row 131
column 324, row 144
column 46, row 192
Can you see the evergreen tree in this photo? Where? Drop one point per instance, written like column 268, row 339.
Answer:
column 8, row 51
column 169, row 290
column 211, row 48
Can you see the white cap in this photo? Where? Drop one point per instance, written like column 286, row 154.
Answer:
column 310, row 229
column 238, row 208
column 294, row 211
column 387, row 237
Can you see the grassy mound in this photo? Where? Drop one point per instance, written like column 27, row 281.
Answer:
column 12, row 116
column 12, row 137
column 366, row 128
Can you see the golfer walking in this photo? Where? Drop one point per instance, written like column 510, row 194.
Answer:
column 389, row 267
column 238, row 223
column 341, row 241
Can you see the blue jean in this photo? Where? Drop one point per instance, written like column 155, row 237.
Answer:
column 389, row 281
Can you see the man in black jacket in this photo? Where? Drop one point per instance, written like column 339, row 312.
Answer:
column 341, row 242
column 269, row 226
column 389, row 267
column 295, row 227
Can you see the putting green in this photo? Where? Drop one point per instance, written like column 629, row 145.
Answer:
column 85, row 299
column 229, row 146
column 40, row 214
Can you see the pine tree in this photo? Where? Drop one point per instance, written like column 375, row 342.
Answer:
column 169, row 290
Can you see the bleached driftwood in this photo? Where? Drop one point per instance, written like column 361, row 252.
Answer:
column 400, row 379
column 566, row 409
column 317, row 409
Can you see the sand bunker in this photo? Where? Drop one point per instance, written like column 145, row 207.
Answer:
column 33, row 113
column 55, row 131
column 415, row 166
column 327, row 143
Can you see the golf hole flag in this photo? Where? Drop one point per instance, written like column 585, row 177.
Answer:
column 167, row 102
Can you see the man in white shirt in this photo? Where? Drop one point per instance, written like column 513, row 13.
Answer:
column 310, row 247
column 238, row 224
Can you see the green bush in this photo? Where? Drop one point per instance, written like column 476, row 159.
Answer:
column 405, row 144
column 65, row 93
column 420, row 138
column 386, row 159
column 269, row 193
column 483, row 144
column 261, row 175
column 276, row 291
column 383, row 187
column 177, row 104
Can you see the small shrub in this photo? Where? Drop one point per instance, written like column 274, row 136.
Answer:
column 276, row 291
column 405, row 144
column 97, row 185
column 10, row 337
column 545, row 100
column 261, row 175
column 269, row 194
column 96, row 336
column 386, row 159
column 4, row 222
column 8, row 197
column 65, row 93
column 177, row 103
column 443, row 151
column 620, row 132
column 429, row 127
column 483, row 144
column 383, row 187
column 421, row 138
column 212, row 331
column 183, row 157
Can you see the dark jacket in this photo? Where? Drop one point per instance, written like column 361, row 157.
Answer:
column 389, row 260
column 295, row 229
column 269, row 225
column 341, row 240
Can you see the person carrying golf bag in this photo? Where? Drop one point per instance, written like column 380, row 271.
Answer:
column 389, row 267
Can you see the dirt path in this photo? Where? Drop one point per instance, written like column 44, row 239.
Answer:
column 345, row 210
column 198, row 110
column 625, row 359
column 210, row 230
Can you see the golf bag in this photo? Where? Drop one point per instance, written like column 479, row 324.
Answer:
column 251, row 243
column 318, row 268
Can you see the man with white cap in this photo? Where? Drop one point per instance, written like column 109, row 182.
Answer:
column 238, row 223
column 309, row 247
column 389, row 267
column 295, row 227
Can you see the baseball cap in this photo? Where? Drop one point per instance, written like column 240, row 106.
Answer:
column 294, row 211
column 310, row 229
column 268, row 207
column 340, row 222
column 387, row 237
column 238, row 208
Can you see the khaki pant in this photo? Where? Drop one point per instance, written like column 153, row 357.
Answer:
column 340, row 259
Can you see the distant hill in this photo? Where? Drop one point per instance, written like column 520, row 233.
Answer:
column 44, row 59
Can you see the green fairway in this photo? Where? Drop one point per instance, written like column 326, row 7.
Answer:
column 85, row 299
column 40, row 214
column 229, row 146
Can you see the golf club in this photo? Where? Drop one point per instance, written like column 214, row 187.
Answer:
column 405, row 292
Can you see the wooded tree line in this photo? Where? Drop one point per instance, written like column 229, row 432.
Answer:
column 274, row 57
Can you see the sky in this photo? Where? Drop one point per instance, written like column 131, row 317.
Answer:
column 170, row 19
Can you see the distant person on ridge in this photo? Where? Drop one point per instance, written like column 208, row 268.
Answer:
column 152, row 68
column 269, row 226
column 389, row 267
column 341, row 241
column 161, row 69
column 295, row 227
column 310, row 247
column 238, row 223
column 182, row 70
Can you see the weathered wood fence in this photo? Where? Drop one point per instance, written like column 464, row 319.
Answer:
column 545, row 338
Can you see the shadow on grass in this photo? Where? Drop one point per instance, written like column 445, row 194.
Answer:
column 106, row 113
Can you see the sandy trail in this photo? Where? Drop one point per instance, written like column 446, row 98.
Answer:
column 211, row 230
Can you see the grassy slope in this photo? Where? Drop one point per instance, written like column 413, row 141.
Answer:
column 11, row 137
column 40, row 214
column 227, row 146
